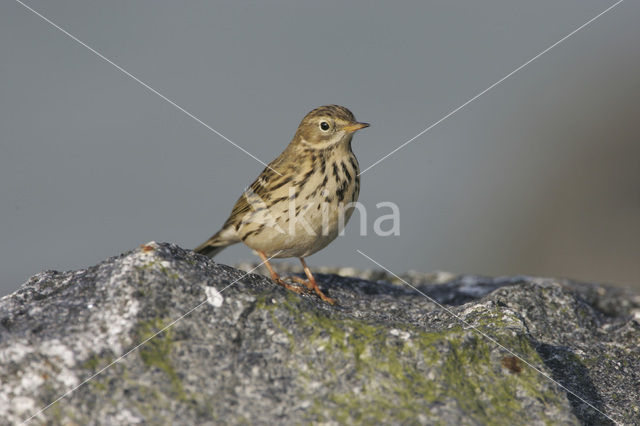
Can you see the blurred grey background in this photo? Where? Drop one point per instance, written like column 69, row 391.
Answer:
column 538, row 176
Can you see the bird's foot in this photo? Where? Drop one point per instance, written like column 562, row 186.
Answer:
column 294, row 288
column 312, row 287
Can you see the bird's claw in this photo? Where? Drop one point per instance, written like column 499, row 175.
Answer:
column 312, row 287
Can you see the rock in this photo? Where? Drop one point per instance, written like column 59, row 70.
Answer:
column 236, row 348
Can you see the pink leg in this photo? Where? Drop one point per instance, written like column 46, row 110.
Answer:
column 276, row 278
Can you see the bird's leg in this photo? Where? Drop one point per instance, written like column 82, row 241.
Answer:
column 313, row 285
column 276, row 278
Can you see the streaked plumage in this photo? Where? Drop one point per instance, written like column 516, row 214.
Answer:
column 318, row 173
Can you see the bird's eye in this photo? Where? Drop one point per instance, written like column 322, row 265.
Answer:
column 324, row 125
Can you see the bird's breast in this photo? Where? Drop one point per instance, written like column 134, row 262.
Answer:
column 305, row 211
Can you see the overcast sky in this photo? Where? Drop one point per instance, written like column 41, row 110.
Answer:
column 537, row 176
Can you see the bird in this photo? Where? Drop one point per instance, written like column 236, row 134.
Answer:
column 301, row 200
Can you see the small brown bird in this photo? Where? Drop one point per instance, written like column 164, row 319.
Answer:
column 301, row 200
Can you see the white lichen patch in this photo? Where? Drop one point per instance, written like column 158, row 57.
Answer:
column 56, row 349
column 14, row 353
column 126, row 417
column 30, row 380
column 22, row 404
column 214, row 298
column 47, row 363
column 404, row 335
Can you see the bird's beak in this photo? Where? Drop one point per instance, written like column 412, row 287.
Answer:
column 355, row 126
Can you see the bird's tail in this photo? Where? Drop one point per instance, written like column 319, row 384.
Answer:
column 215, row 244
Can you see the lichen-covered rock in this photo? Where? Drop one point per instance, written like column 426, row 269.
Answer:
column 236, row 348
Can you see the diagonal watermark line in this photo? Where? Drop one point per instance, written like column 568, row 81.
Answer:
column 145, row 85
column 476, row 329
column 121, row 357
column 452, row 112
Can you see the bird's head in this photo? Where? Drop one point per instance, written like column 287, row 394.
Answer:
column 327, row 126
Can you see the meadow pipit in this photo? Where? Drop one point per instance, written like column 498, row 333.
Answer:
column 301, row 200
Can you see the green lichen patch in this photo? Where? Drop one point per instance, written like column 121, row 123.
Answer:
column 156, row 351
column 406, row 374
column 157, row 265
column 95, row 364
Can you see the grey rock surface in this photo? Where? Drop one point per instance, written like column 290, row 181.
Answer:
column 235, row 348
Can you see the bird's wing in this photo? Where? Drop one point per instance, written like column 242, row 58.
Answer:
column 261, row 194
